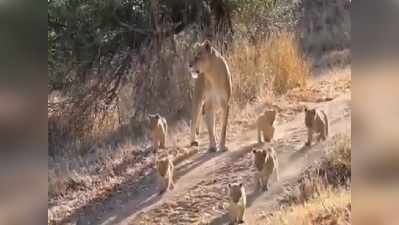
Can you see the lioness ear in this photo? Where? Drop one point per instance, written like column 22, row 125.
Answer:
column 207, row 45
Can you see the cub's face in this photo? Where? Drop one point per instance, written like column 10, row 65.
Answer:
column 162, row 165
column 201, row 59
column 260, row 157
column 309, row 116
column 235, row 191
column 154, row 119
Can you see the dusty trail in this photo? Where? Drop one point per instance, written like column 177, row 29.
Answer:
column 200, row 192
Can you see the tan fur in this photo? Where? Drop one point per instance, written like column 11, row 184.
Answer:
column 166, row 172
column 158, row 130
column 316, row 122
column 200, row 120
column 265, row 125
column 212, row 88
column 237, row 204
column 266, row 163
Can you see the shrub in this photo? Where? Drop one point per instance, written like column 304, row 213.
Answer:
column 267, row 66
column 287, row 63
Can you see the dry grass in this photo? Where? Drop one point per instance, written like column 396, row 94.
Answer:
column 287, row 63
column 267, row 67
column 331, row 173
column 332, row 207
column 322, row 194
column 341, row 155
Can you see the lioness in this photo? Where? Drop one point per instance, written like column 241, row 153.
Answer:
column 158, row 130
column 265, row 125
column 238, row 203
column 316, row 122
column 166, row 172
column 212, row 87
column 266, row 163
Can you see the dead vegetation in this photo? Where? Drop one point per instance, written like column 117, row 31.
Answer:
column 322, row 193
column 331, row 207
column 267, row 67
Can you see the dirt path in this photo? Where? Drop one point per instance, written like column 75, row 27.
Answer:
column 200, row 192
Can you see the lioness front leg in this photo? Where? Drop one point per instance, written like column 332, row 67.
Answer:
column 155, row 144
column 226, row 110
column 210, row 123
column 162, row 142
column 196, row 109
column 194, row 122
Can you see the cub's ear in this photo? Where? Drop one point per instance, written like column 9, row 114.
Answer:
column 254, row 151
column 207, row 45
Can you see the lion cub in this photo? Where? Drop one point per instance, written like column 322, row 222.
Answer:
column 266, row 163
column 166, row 172
column 265, row 125
column 238, row 203
column 316, row 122
column 159, row 130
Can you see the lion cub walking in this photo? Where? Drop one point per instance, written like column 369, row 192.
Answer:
column 316, row 122
column 238, row 203
column 166, row 172
column 265, row 125
column 159, row 130
column 266, row 163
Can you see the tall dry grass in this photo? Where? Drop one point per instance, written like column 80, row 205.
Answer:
column 267, row 67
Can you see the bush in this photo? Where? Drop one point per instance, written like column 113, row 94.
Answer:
column 287, row 63
column 272, row 65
